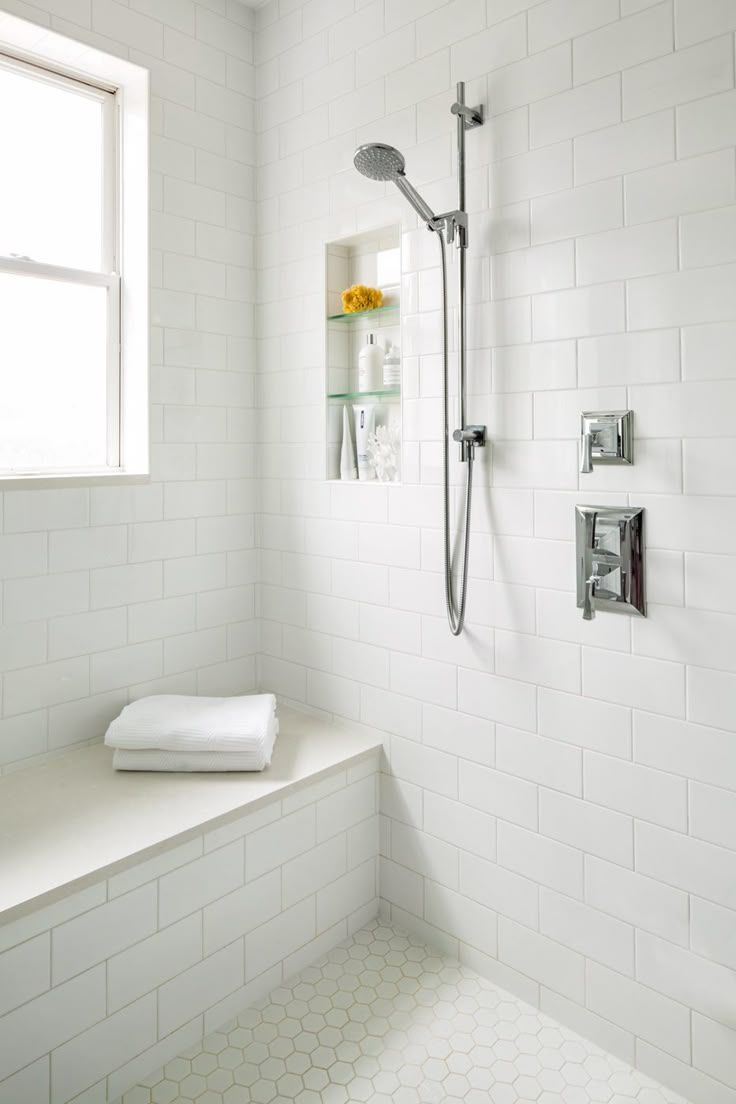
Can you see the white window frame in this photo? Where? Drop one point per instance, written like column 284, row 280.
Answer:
column 123, row 90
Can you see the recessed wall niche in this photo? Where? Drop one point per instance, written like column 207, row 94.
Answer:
column 374, row 260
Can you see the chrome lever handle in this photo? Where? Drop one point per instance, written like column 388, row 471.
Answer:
column 586, row 453
column 589, row 598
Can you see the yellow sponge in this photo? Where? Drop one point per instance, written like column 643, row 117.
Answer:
column 360, row 298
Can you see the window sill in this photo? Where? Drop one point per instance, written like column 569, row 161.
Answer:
column 48, row 481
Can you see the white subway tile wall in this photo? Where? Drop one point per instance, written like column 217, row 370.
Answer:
column 561, row 795
column 590, row 862
column 113, row 592
column 100, row 988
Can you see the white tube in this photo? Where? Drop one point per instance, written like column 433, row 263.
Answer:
column 365, row 424
column 348, row 469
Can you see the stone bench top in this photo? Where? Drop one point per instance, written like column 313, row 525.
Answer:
column 68, row 821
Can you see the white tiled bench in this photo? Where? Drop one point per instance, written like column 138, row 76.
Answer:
column 139, row 911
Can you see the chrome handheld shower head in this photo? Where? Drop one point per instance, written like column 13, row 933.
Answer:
column 380, row 162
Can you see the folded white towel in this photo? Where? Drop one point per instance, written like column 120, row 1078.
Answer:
column 190, row 761
column 176, row 722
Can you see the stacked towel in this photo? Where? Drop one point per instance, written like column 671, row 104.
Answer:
column 173, row 732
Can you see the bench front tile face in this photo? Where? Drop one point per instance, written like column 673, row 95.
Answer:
column 106, row 984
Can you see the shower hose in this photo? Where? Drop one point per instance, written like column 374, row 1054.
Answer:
column 455, row 608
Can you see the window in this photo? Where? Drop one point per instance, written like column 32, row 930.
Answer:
column 73, row 317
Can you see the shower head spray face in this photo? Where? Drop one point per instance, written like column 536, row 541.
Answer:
column 379, row 162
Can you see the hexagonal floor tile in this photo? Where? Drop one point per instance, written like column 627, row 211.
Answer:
column 385, row 1020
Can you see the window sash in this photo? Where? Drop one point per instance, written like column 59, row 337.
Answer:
column 109, row 275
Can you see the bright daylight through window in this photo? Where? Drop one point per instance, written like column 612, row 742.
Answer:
column 59, row 284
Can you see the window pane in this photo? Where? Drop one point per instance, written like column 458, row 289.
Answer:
column 51, row 182
column 53, row 386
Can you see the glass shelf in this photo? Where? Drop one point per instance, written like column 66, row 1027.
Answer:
column 390, row 308
column 364, row 394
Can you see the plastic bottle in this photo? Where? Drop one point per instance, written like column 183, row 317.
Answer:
column 392, row 367
column 370, row 365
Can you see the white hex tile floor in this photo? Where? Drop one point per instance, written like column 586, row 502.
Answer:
column 383, row 1019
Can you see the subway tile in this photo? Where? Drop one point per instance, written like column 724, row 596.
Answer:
column 585, row 722
column 678, row 77
column 707, row 580
column 713, row 814
column 542, row 860
column 102, row 932
column 466, row 736
column 689, row 864
column 467, row 920
column 499, row 889
column 644, row 902
column 666, row 1069
column 45, row 596
column 693, row 184
column 25, row 972
column 460, row 825
column 538, row 367
column 498, row 794
column 587, row 209
column 714, row 1049
column 685, row 977
column 425, row 679
column 557, row 20
column 625, row 147
column 150, row 962
column 310, row 872
column 273, row 845
column 344, row 896
column 194, row 990
column 636, row 790
column 439, row 861
column 711, row 697
column 631, row 251
column 697, row 637
column 653, row 1017
column 51, row 1019
column 530, row 80
column 232, row 916
column 35, row 687
column 345, row 808
column 401, row 887
column 706, row 124
column 708, row 237
column 554, row 965
column 31, row 1083
column 651, row 684
column 497, row 699
column 587, row 930
column 646, row 357
column 697, row 22
column 645, row 35
column 89, row 1057
column 582, row 312
column 712, row 932
column 546, row 762
column 577, row 111
column 598, row 831
column 530, row 271
column 611, row 1038
column 188, row 888
column 484, row 51
column 271, row 942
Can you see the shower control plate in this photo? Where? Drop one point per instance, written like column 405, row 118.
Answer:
column 611, row 435
column 610, row 558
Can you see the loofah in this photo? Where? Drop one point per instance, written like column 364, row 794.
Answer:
column 360, row 298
